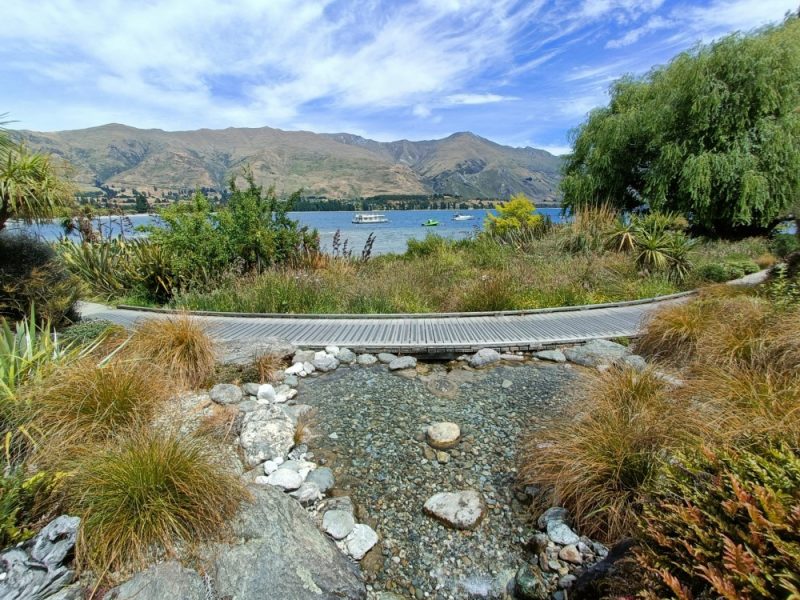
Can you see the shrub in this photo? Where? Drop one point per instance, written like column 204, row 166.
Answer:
column 88, row 331
column 430, row 244
column 783, row 244
column 84, row 400
column 518, row 213
column 22, row 499
column 715, row 272
column 596, row 460
column 30, row 274
column 178, row 344
column 724, row 524
column 146, row 492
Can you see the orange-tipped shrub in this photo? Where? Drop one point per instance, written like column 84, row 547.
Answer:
column 179, row 344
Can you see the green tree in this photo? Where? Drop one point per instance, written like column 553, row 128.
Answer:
column 517, row 213
column 141, row 203
column 30, row 187
column 715, row 135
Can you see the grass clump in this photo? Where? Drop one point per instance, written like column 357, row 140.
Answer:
column 148, row 490
column 596, row 460
column 179, row 344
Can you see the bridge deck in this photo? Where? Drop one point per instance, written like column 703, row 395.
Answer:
column 418, row 335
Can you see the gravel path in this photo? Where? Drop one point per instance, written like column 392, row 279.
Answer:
column 372, row 423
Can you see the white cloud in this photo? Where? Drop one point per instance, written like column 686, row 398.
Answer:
column 653, row 24
column 477, row 98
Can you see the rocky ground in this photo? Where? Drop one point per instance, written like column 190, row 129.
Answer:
column 372, row 426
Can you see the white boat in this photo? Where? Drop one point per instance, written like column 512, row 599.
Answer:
column 368, row 219
column 463, row 218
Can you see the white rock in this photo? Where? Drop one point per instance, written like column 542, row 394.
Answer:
column 334, row 436
column 332, row 350
column 267, row 433
column 285, row 479
column 308, row 368
column 403, row 362
column 325, row 363
column 307, row 493
column 280, row 398
column 266, row 392
column 261, row 480
column 484, row 357
column 270, row 467
column 561, row 534
column 295, row 369
column 346, row 356
column 360, row 541
column 338, row 523
column 459, row 510
column 291, row 394
column 443, row 435
column 366, row 359
column 551, row 355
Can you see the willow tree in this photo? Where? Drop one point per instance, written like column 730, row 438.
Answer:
column 714, row 134
column 30, row 186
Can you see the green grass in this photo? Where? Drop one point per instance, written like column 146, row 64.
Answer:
column 437, row 275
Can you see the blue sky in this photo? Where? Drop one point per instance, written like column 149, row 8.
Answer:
column 520, row 73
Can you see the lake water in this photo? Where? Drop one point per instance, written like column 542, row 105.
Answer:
column 403, row 225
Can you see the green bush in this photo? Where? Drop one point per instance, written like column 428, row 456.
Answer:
column 715, row 272
column 430, row 244
column 31, row 274
column 21, row 498
column 87, row 331
column 783, row 244
column 724, row 524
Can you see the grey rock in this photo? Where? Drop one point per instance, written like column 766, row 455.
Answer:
column 346, row 356
column 285, row 479
column 507, row 383
column 366, row 360
column 360, row 541
column 71, row 592
column 164, row 580
column 507, row 356
column 284, row 556
column 566, row 581
column 243, row 351
column 484, row 357
column 596, row 353
column 290, row 380
column 338, row 523
column 295, row 411
column 266, row 433
column 459, row 510
column 530, row 584
column 599, row 549
column 249, row 406
column 266, row 392
column 251, row 389
column 323, row 477
column 561, row 534
column 226, row 393
column 551, row 355
column 34, row 570
column 325, row 363
column 386, row 358
column 443, row 435
column 338, row 503
column 303, row 356
column 554, row 513
column 635, row 362
column 307, row 493
column 403, row 362
column 571, row 554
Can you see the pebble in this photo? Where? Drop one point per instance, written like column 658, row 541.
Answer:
column 571, row 554
column 338, row 523
column 360, row 541
column 507, row 383
column 561, row 534
column 322, row 477
column 443, row 435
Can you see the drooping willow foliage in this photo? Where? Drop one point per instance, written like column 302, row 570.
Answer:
column 715, row 135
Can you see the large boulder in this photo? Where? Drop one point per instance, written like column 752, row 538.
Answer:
column 596, row 353
column 282, row 555
column 484, row 357
column 266, row 433
column 164, row 580
column 242, row 351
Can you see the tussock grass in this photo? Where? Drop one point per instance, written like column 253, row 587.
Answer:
column 305, row 429
column 179, row 344
column 267, row 365
column 596, row 459
column 84, row 400
column 149, row 490
column 220, row 424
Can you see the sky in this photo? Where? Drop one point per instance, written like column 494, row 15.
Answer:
column 522, row 73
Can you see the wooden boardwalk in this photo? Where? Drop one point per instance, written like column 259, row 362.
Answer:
column 420, row 334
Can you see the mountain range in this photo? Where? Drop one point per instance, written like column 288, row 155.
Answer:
column 340, row 165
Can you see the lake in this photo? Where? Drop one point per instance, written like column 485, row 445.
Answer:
column 403, row 225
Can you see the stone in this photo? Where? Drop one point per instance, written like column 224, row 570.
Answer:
column 507, row 356
column 325, row 363
column 332, row 350
column 291, row 380
column 303, row 356
column 285, row 479
column 266, row 434
column 322, row 477
column 386, row 357
column 570, row 554
column 249, row 405
column 366, row 360
column 266, row 392
column 429, row 453
column 280, row 398
column 226, row 393
column 507, row 383
column 338, row 523
column 251, row 389
column 635, row 362
column 566, row 581
column 333, row 436
column 442, row 457
column 560, row 533
column 307, row 493
column 168, row 579
column 443, row 435
column 554, row 513
column 295, row 411
column 360, row 541
column 270, row 467
column 35, row 570
column 243, row 351
column 308, row 368
column 484, row 357
column 596, row 352
column 345, row 356
column 295, row 369
column 283, row 555
column 530, row 584
column 337, row 503
column 403, row 362
column 459, row 510
column 599, row 549
column 551, row 355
